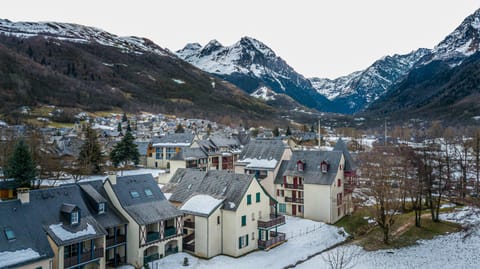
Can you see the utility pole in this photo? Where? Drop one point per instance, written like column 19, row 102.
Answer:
column 319, row 135
column 385, row 142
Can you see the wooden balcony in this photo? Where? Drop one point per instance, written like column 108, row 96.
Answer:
column 189, row 224
column 189, row 238
column 293, row 186
column 83, row 258
column 276, row 239
column 189, row 247
column 112, row 242
column 271, row 223
column 294, row 200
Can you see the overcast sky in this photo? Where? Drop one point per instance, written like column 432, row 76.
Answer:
column 324, row 38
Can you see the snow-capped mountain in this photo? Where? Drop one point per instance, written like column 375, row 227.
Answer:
column 79, row 34
column 463, row 42
column 356, row 91
column 250, row 65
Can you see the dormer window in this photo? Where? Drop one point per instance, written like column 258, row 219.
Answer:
column 74, row 217
column 324, row 167
column 134, row 194
column 300, row 166
column 10, row 234
column 101, row 208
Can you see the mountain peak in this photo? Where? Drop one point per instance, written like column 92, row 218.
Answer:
column 250, row 42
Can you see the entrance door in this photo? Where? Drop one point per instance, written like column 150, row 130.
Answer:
column 294, row 210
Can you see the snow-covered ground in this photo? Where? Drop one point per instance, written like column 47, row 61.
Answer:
column 448, row 251
column 305, row 237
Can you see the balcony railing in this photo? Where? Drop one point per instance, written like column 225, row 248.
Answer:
column 170, row 231
column 293, row 186
column 111, row 240
column 294, row 200
column 189, row 238
column 153, row 236
column 189, row 247
column 83, row 258
column 189, row 224
column 276, row 221
column 150, row 258
column 275, row 239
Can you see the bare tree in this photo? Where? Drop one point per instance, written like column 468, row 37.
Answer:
column 341, row 258
column 381, row 167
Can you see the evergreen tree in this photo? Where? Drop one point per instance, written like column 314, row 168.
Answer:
column 179, row 129
column 124, row 118
column 125, row 151
column 90, row 155
column 129, row 128
column 20, row 166
column 288, row 132
column 276, row 132
column 119, row 127
column 312, row 129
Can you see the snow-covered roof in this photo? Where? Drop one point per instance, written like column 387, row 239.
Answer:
column 259, row 163
column 202, row 204
column 65, row 235
column 8, row 258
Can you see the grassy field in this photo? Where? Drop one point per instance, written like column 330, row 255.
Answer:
column 404, row 232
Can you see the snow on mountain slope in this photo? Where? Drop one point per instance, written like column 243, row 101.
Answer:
column 250, row 64
column 264, row 93
column 357, row 90
column 80, row 34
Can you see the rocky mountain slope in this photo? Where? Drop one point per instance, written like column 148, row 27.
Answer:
column 78, row 67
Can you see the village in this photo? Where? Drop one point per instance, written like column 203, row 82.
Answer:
column 157, row 191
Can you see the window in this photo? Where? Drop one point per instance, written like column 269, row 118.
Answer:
column 148, row 192
column 243, row 241
column 257, row 197
column 339, row 211
column 283, row 193
column 244, row 220
column 282, row 208
column 324, row 167
column 158, row 153
column 278, row 192
column 339, row 182
column 218, row 219
column 39, row 267
column 300, row 208
column 259, row 214
column 134, row 194
column 101, row 208
column 253, row 216
column 249, row 199
column 9, row 234
column 253, row 236
column 300, row 166
column 74, row 217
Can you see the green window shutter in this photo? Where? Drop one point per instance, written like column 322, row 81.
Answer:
column 246, row 238
column 244, row 220
column 240, row 242
column 249, row 199
column 257, row 197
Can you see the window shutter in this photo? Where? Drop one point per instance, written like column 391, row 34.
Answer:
column 249, row 199
column 240, row 242
column 257, row 197
column 246, row 238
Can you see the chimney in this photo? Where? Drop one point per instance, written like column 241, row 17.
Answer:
column 23, row 194
column 112, row 176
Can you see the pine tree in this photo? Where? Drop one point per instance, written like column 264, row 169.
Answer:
column 129, row 128
column 124, row 118
column 20, row 166
column 119, row 127
column 179, row 129
column 288, row 132
column 276, row 132
column 90, row 155
column 125, row 151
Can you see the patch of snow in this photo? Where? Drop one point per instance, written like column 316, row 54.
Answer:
column 259, row 163
column 64, row 235
column 231, row 205
column 178, row 81
column 9, row 258
column 201, row 203
column 167, row 194
column 264, row 93
column 448, row 206
column 171, row 145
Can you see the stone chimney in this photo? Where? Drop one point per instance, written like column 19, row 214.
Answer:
column 112, row 176
column 23, row 194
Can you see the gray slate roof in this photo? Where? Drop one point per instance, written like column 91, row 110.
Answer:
column 144, row 209
column 176, row 138
column 189, row 153
column 263, row 149
column 312, row 173
column 281, row 170
column 223, row 141
column 219, row 184
column 142, row 147
column 350, row 164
